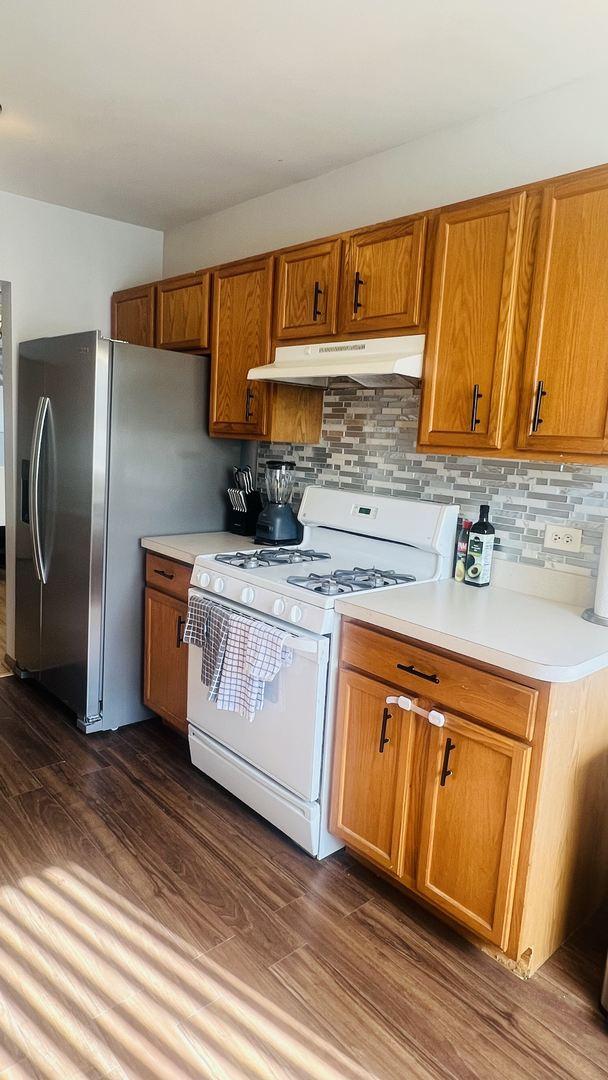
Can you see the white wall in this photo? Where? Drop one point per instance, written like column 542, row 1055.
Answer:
column 556, row 132
column 63, row 266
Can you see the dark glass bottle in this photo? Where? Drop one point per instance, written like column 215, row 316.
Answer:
column 480, row 550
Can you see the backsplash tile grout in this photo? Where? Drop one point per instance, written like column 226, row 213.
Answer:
column 369, row 444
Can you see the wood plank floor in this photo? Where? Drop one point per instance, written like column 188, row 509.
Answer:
column 153, row 927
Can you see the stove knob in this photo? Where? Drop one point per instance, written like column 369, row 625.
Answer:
column 295, row 614
column 279, row 606
column 248, row 595
column 218, row 585
column 203, row 579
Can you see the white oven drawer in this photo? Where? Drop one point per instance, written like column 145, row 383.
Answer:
column 285, row 739
column 294, row 817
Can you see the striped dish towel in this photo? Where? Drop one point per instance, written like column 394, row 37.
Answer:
column 207, row 627
column 240, row 655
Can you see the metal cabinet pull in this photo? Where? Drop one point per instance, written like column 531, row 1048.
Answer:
column 386, row 716
column 445, row 771
column 358, row 283
column 249, row 404
column 476, row 399
column 540, row 394
column 421, row 674
column 316, row 311
column 180, row 625
column 165, row 573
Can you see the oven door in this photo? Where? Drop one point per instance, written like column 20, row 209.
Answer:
column 285, row 739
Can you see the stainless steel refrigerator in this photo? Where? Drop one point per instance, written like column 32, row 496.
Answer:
column 112, row 445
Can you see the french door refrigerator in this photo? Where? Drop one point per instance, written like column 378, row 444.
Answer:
column 112, row 445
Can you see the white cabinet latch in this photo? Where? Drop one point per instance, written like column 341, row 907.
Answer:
column 406, row 703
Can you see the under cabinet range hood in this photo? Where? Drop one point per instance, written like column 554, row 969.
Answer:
column 389, row 361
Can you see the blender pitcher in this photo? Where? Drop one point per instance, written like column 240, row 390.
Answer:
column 277, row 524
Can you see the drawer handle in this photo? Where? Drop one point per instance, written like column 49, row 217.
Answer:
column 386, row 716
column 445, row 771
column 421, row 674
column 165, row 573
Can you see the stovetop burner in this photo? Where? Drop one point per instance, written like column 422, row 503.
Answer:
column 250, row 560
column 348, row 581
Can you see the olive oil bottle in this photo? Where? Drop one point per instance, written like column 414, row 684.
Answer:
column 480, row 550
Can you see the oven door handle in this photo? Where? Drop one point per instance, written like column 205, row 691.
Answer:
column 299, row 643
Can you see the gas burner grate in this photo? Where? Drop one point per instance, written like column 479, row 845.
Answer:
column 349, row 581
column 250, row 560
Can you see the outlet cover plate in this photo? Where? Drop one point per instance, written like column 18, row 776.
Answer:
column 562, row 538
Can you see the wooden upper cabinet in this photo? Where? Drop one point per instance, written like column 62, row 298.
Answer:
column 182, row 312
column 472, row 824
column 133, row 315
column 382, row 277
column 564, row 403
column 470, row 335
column 240, row 340
column 306, row 299
column 371, row 760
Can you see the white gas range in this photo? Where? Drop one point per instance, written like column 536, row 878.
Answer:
column 280, row 763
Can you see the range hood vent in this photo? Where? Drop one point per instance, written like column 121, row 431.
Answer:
column 394, row 361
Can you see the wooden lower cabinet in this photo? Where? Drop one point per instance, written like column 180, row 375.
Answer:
column 166, row 658
column 373, row 742
column 498, row 821
column 472, row 823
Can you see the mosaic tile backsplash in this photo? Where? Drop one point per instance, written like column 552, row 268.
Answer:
column 369, row 444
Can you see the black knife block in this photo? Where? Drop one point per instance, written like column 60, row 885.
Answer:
column 243, row 522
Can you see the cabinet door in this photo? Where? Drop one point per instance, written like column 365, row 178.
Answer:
column 166, row 658
column 382, row 280
column 564, row 403
column 371, row 761
column 470, row 335
column 307, row 291
column 133, row 315
column 472, row 823
column 182, row 313
column 242, row 298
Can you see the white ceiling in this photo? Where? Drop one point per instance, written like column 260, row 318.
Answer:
column 157, row 113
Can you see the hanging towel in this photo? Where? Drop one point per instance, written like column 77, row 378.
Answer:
column 207, row 627
column 255, row 653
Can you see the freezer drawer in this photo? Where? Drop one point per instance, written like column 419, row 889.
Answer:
column 285, row 739
column 296, row 818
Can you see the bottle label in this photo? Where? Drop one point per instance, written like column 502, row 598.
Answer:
column 479, row 558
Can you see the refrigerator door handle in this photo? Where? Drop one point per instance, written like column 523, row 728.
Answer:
column 36, row 454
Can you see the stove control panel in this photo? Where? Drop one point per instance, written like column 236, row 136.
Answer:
column 264, row 601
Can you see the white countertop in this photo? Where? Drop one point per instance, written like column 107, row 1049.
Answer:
column 187, row 546
column 538, row 638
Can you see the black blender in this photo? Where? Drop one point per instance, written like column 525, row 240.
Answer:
column 277, row 524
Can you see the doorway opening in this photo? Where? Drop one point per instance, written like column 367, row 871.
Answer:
column 4, row 357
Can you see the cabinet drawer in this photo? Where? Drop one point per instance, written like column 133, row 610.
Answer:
column 168, row 576
column 496, row 701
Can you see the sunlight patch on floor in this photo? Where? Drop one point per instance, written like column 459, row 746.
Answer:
column 91, row 985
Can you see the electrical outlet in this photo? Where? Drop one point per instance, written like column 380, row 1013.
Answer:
column 562, row 538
